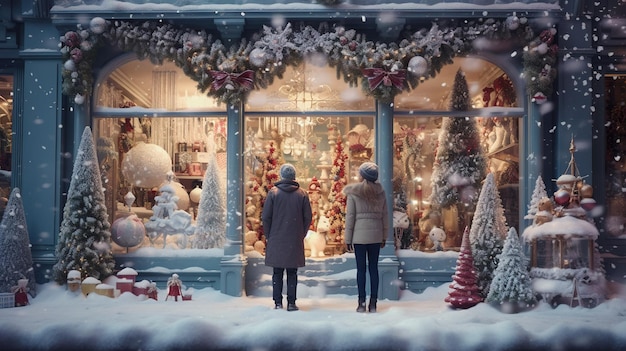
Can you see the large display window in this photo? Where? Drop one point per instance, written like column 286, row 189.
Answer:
column 153, row 128
column 422, row 133
column 6, row 136
column 615, row 165
column 322, row 126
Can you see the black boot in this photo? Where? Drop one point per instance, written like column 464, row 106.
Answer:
column 361, row 307
column 372, row 306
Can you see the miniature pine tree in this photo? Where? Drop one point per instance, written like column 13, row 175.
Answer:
column 538, row 193
column 336, row 197
column 464, row 292
column 459, row 163
column 85, row 237
column 511, row 281
column 16, row 261
column 211, row 224
column 487, row 233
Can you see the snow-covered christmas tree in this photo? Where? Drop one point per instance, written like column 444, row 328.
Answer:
column 511, row 282
column 211, row 223
column 487, row 233
column 16, row 261
column 336, row 198
column 539, row 193
column 84, row 237
column 459, row 165
column 464, row 291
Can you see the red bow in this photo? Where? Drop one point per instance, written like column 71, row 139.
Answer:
column 231, row 81
column 375, row 76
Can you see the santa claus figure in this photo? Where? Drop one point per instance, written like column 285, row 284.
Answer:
column 174, row 287
column 20, row 291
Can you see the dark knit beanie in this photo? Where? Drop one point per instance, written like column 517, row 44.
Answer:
column 288, row 172
column 369, row 171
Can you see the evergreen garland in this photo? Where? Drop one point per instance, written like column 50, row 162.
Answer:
column 266, row 55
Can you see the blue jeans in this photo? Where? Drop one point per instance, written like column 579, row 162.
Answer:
column 277, row 284
column 367, row 257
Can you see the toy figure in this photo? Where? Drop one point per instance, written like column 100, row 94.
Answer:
column 21, row 298
column 437, row 236
column 174, row 287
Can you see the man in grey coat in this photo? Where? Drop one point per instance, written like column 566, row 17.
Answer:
column 286, row 219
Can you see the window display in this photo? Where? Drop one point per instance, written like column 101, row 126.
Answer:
column 6, row 135
column 326, row 151
column 615, row 125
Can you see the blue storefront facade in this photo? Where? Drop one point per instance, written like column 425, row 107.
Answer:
column 252, row 75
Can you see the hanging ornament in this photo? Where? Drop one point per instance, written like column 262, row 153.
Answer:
column 418, row 65
column 539, row 98
column 79, row 99
column 195, row 194
column 562, row 197
column 97, row 25
column 588, row 204
column 128, row 231
column 145, row 165
column 586, row 191
column 129, row 199
column 258, row 58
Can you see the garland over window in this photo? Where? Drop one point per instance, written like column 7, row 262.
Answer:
column 382, row 69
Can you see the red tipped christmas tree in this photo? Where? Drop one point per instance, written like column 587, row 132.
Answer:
column 336, row 197
column 464, row 291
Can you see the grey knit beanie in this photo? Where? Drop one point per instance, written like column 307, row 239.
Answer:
column 369, row 171
column 288, row 172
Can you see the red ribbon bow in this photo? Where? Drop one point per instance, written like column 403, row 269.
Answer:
column 375, row 76
column 221, row 79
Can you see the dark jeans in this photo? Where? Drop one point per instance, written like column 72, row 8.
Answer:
column 277, row 284
column 367, row 257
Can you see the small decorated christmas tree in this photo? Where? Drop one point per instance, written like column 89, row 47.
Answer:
column 459, row 162
column 487, row 233
column 211, row 224
column 84, row 237
column 464, row 292
column 336, row 198
column 511, row 284
column 538, row 193
column 16, row 261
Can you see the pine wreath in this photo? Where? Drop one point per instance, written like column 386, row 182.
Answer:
column 228, row 74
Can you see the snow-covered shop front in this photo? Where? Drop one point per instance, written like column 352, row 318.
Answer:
column 193, row 107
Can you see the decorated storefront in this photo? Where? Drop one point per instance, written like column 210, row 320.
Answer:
column 193, row 112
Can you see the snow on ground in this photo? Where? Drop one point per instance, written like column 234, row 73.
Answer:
column 60, row 320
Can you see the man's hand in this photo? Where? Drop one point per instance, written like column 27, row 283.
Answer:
column 382, row 245
column 350, row 247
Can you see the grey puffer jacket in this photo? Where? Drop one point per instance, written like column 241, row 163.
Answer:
column 367, row 220
column 286, row 219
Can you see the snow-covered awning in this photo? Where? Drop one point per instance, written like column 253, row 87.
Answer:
column 566, row 227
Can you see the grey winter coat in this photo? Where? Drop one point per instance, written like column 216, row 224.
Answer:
column 286, row 219
column 367, row 220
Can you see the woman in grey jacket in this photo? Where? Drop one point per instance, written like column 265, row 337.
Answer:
column 286, row 219
column 367, row 224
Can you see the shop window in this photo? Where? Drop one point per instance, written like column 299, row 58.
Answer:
column 153, row 126
column 418, row 125
column 326, row 130
column 615, row 165
column 6, row 133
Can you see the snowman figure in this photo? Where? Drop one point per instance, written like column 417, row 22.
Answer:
column 437, row 236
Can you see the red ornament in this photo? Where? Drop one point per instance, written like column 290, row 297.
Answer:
column 588, row 204
column 562, row 197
